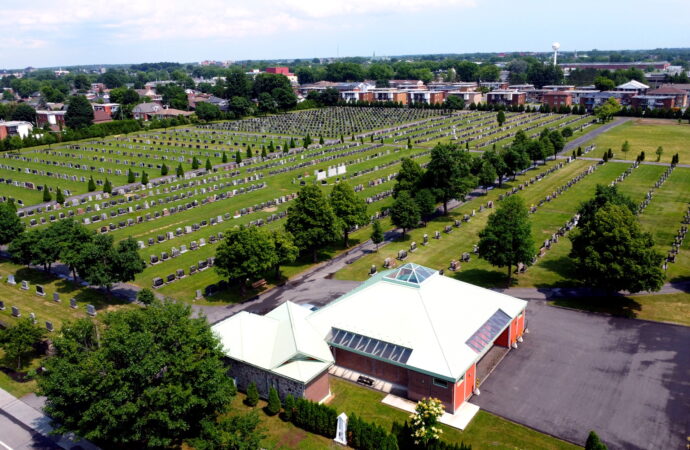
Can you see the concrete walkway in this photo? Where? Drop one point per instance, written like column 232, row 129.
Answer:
column 459, row 420
column 22, row 426
column 575, row 143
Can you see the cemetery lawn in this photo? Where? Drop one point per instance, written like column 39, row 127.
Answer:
column 545, row 221
column 671, row 308
column 646, row 135
column 484, row 431
column 18, row 388
column 44, row 307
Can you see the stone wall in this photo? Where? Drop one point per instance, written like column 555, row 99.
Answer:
column 245, row 374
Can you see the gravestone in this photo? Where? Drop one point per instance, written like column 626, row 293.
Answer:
column 372, row 270
column 198, row 295
column 91, row 310
column 413, row 247
column 40, row 291
column 2, row 305
column 25, row 285
column 73, row 303
column 16, row 312
column 49, row 326
column 11, row 280
column 32, row 316
column 341, row 430
column 426, row 239
column 56, row 297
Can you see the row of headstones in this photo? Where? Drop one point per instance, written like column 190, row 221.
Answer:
column 563, row 188
column 179, row 273
column 569, row 225
column 40, row 291
column 677, row 241
column 172, row 210
column 648, row 197
column 329, row 122
column 473, row 125
column 625, row 174
column 405, row 130
column 532, row 180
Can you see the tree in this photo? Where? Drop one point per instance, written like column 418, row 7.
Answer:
column 498, row 163
column 594, row 443
column 612, row 252
column 209, row 167
column 252, row 398
column 164, row 170
column 225, row 157
column 207, row 111
column 238, row 157
column 409, row 178
column 79, row 113
column 273, row 407
column 377, row 235
column 405, row 212
column 130, row 177
column 425, row 421
column 145, row 378
column 454, row 102
column 567, row 132
column 241, row 432
column 71, row 237
column 144, row 178
column 91, row 185
column 19, row 342
column 46, row 194
column 602, row 83
column 487, row 175
column 245, row 253
column 507, row 238
column 557, row 140
column 249, row 151
column 286, row 250
column 267, row 103
column 607, row 110
column 604, row 195
column 625, row 148
column 179, row 171
column 195, row 163
column 659, row 152
column 59, row 196
column 501, row 118
column 284, row 98
column 426, row 202
column 101, row 264
column 145, row 297
column 448, row 174
column 289, row 408
column 311, row 221
column 25, row 113
column 350, row 210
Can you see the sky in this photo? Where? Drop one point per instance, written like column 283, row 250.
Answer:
column 47, row 33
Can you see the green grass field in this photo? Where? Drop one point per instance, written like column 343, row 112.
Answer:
column 485, row 430
column 646, row 135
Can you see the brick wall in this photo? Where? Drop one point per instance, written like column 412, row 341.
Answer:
column 319, row 388
column 421, row 385
column 371, row 366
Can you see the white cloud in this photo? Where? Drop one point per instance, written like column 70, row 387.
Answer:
column 133, row 20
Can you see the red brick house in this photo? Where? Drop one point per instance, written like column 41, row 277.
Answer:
column 556, row 99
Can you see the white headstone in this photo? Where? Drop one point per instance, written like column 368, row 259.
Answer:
column 341, row 431
column 11, row 280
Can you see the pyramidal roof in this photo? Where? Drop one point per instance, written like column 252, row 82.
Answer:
column 632, row 84
column 281, row 342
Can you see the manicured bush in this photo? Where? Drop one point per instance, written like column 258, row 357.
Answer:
column 252, row 395
column 274, row 405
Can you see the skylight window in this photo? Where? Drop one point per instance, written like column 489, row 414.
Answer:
column 411, row 273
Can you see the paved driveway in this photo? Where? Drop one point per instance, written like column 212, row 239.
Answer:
column 627, row 379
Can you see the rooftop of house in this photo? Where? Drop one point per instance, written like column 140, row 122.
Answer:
column 632, row 85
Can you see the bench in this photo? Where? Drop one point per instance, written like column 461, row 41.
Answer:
column 365, row 380
column 259, row 284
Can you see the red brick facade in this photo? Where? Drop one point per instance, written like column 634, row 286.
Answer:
column 318, row 389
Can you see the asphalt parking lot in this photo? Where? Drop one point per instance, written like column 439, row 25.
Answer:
column 627, row 379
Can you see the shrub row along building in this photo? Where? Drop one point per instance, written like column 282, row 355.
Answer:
column 412, row 327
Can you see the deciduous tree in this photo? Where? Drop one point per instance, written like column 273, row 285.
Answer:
column 350, row 210
column 507, row 238
column 311, row 221
column 405, row 212
column 146, row 378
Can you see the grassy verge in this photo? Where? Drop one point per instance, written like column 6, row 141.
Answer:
column 485, row 431
column 671, row 308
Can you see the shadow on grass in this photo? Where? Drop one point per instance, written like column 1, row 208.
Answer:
column 617, row 305
column 563, row 267
column 483, row 277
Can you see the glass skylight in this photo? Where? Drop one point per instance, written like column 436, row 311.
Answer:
column 486, row 334
column 411, row 273
column 370, row 346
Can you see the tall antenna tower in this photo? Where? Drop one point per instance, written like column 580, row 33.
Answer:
column 555, row 46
